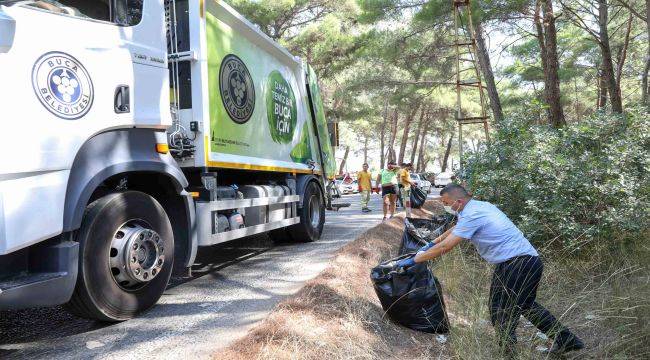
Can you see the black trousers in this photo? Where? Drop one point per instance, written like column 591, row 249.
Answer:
column 513, row 292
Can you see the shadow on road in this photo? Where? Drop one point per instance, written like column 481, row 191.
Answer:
column 39, row 324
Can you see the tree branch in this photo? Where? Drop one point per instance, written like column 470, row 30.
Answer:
column 626, row 5
column 579, row 22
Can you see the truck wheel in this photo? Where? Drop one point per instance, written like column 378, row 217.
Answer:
column 126, row 252
column 312, row 216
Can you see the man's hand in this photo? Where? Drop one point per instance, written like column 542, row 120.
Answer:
column 405, row 262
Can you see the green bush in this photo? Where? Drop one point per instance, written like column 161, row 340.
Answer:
column 586, row 182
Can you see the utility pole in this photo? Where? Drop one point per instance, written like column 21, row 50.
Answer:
column 468, row 74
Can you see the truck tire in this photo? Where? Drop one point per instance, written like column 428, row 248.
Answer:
column 312, row 216
column 126, row 253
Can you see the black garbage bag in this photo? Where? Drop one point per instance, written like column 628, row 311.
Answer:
column 419, row 232
column 411, row 296
column 418, row 197
column 413, row 238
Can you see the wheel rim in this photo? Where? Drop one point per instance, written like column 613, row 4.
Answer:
column 314, row 211
column 136, row 256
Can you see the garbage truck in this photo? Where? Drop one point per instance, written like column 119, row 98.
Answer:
column 138, row 131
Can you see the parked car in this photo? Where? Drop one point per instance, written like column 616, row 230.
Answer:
column 344, row 188
column 355, row 187
column 443, row 179
column 421, row 182
column 426, row 184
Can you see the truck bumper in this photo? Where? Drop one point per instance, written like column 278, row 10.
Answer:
column 49, row 281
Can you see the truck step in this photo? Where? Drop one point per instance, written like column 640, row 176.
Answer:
column 27, row 279
column 36, row 290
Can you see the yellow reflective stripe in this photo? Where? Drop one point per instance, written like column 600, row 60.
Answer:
column 228, row 165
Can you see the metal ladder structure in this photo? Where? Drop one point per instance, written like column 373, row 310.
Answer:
column 468, row 74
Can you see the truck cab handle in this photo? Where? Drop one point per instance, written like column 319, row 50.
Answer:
column 122, row 99
column 7, row 32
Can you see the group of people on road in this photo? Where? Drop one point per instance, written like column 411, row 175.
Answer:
column 393, row 181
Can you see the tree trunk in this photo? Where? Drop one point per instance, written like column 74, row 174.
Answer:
column 423, row 143
column 405, row 134
column 382, row 137
column 486, row 68
column 393, row 135
column 425, row 162
column 602, row 88
column 542, row 51
column 644, row 81
column 345, row 159
column 623, row 52
column 644, row 91
column 552, row 78
column 608, row 65
column 447, row 152
column 416, row 139
column 422, row 164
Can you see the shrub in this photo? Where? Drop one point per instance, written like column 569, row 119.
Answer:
column 588, row 181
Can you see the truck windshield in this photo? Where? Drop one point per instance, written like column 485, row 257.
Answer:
column 60, row 7
column 122, row 12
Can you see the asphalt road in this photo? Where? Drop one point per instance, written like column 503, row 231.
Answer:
column 233, row 286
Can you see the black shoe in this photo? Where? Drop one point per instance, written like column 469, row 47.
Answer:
column 561, row 346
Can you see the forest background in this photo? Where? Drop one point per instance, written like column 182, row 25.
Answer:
column 567, row 95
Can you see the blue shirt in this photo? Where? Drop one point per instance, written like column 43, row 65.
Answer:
column 495, row 237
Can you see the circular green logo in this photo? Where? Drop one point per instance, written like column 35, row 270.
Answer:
column 237, row 89
column 281, row 108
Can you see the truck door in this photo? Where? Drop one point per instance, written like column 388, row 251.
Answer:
column 67, row 64
column 71, row 69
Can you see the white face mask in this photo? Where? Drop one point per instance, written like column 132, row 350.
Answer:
column 450, row 209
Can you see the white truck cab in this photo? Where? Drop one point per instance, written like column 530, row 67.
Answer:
column 109, row 182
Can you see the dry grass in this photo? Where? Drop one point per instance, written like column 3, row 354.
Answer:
column 337, row 315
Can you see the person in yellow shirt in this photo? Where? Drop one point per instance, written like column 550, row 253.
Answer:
column 405, row 181
column 365, row 187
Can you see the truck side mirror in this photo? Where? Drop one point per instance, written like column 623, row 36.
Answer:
column 7, row 32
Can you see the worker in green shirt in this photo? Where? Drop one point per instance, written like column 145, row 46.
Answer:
column 388, row 180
